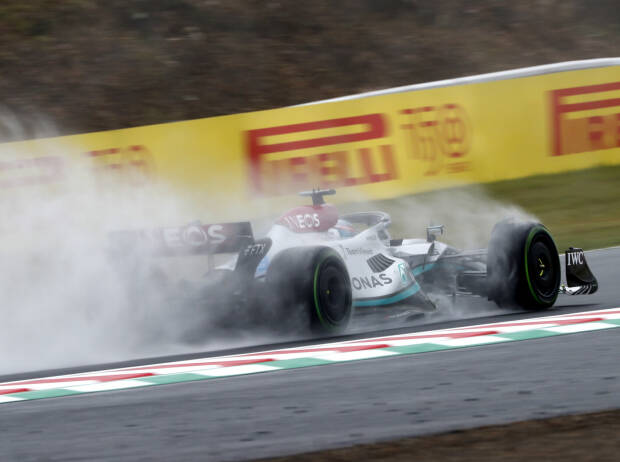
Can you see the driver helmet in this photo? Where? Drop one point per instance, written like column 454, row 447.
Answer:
column 344, row 228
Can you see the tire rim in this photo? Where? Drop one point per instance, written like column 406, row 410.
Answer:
column 543, row 272
column 333, row 295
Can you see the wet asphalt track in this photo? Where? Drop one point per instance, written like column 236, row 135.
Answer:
column 339, row 405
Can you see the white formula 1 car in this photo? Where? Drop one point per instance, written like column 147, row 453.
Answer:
column 324, row 268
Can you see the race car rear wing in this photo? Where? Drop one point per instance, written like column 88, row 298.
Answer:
column 193, row 239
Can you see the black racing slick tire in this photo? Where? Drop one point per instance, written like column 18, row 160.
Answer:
column 312, row 282
column 523, row 266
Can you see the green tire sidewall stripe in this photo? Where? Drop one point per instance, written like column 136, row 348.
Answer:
column 530, row 236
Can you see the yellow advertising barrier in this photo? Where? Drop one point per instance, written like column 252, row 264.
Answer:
column 375, row 147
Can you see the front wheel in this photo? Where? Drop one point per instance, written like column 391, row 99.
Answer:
column 523, row 266
column 312, row 282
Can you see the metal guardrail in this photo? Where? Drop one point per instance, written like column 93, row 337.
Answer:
column 492, row 76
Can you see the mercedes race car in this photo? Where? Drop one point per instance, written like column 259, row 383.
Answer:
column 319, row 268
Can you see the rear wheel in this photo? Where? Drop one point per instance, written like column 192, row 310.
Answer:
column 312, row 282
column 523, row 266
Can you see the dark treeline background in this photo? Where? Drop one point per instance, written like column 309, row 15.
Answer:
column 91, row 65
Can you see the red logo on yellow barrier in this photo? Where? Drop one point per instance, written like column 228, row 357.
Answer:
column 284, row 159
column 131, row 165
column 440, row 136
column 585, row 118
column 31, row 171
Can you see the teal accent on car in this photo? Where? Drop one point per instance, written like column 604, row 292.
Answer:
column 408, row 292
column 422, row 269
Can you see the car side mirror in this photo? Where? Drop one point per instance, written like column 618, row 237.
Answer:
column 433, row 231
